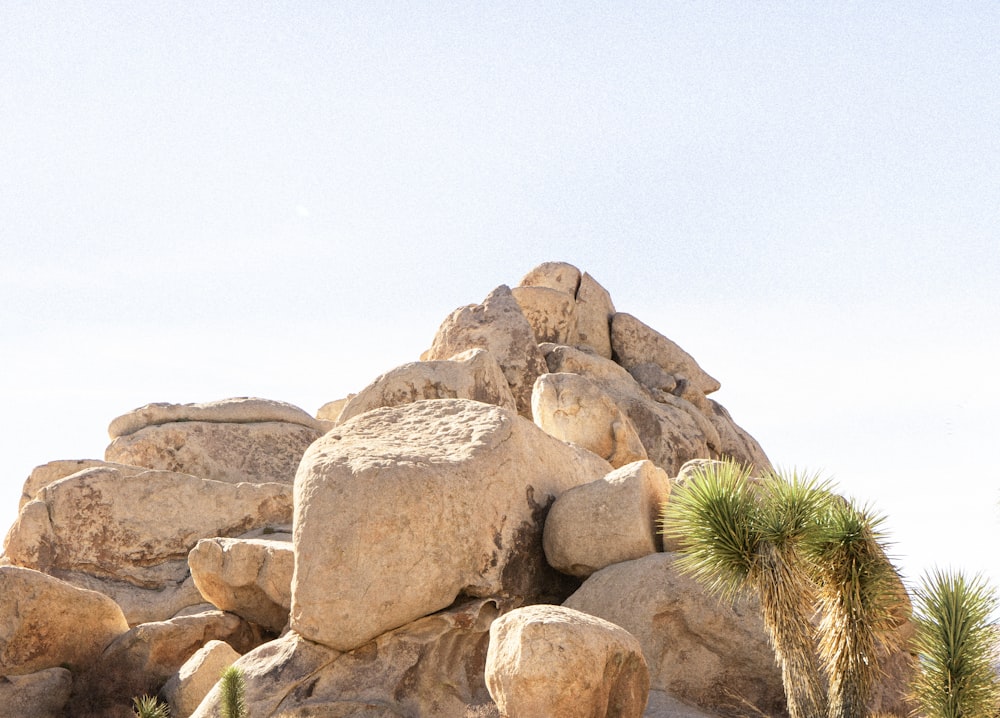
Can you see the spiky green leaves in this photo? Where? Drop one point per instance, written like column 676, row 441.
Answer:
column 149, row 707
column 232, row 689
column 956, row 644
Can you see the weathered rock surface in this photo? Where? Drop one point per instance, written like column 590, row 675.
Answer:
column 561, row 276
column 264, row 452
column 402, row 509
column 497, row 325
column 152, row 653
column 573, row 408
column 331, row 410
column 698, row 649
column 555, row 661
column 141, row 605
column 594, row 310
column 607, row 521
column 192, row 682
column 249, row 577
column 636, row 343
column 43, row 694
column 53, row 471
column 137, row 529
column 239, row 410
column 472, row 374
column 45, row 622
column 432, row 668
column 550, row 312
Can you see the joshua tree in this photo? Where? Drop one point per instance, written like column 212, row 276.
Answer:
column 737, row 538
column 860, row 598
column 232, row 688
column 956, row 644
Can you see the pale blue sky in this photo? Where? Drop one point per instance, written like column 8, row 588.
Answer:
column 208, row 200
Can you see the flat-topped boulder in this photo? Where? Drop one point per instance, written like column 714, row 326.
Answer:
column 53, row 471
column 400, row 510
column 238, row 410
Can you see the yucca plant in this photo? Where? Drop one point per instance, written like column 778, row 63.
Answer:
column 860, row 598
column 232, row 689
column 955, row 641
column 740, row 538
column 149, row 707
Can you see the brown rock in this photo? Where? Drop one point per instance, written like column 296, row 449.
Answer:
column 554, row 661
column 554, row 275
column 635, row 343
column 550, row 312
column 497, row 325
column 42, row 476
column 186, row 689
column 45, row 623
column 239, row 410
column 594, row 310
column 449, row 498
column 607, row 521
column 43, row 694
column 472, row 374
column 698, row 649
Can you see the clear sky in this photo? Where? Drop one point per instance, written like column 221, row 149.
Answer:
column 205, row 200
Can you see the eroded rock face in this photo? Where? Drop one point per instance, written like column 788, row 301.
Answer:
column 550, row 312
column 43, row 694
column 136, row 529
column 53, row 471
column 607, row 521
column 46, row 623
column 594, row 310
column 698, row 649
column 555, row 661
column 472, row 374
column 497, row 325
column 249, row 577
column 573, row 408
column 433, row 668
column 264, row 452
column 239, row 410
column 560, row 276
column 635, row 343
column 401, row 510
column 187, row 688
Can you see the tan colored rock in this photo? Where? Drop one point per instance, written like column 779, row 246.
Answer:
column 472, row 374
column 663, row 705
column 594, row 310
column 249, row 577
column 192, row 682
column 497, row 325
column 734, row 441
column 554, row 275
column 635, row 343
column 43, row 694
column 572, row 408
column 555, row 661
column 239, row 410
column 607, row 521
column 136, row 529
column 402, row 509
column 432, row 668
column 698, row 649
column 330, row 411
column 158, row 650
column 45, row 623
column 42, row 476
column 550, row 312
column 266, row 452
column 671, row 433
column 141, row 605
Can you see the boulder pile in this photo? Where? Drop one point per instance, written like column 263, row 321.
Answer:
column 472, row 534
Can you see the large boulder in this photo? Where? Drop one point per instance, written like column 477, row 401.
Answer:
column 560, row 276
column 607, row 521
column 239, row 410
column 43, row 694
column 249, row 577
column 573, row 408
column 187, row 688
column 53, row 471
column 635, row 343
column 699, row 650
column 136, row 529
column 433, row 668
column 45, row 622
column 594, row 310
column 472, row 374
column 497, row 325
column 402, row 509
column 555, row 661
column 550, row 312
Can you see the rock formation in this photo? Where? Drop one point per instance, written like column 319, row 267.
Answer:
column 406, row 552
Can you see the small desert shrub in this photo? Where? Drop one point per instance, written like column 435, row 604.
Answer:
column 232, row 690
column 150, row 707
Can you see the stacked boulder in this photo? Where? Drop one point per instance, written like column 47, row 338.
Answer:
column 473, row 534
